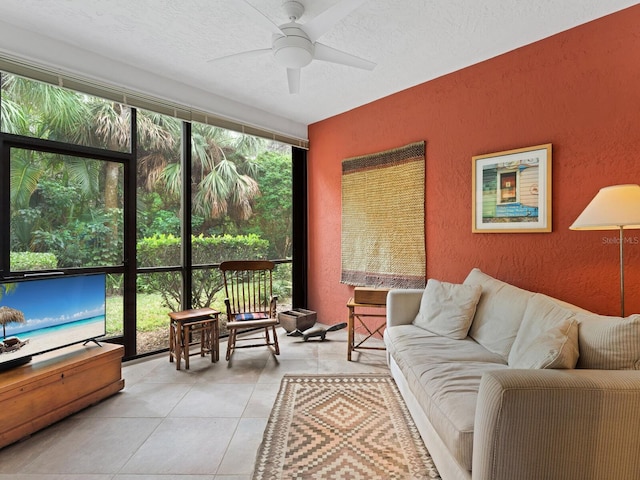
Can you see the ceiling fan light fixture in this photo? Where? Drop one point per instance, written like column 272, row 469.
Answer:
column 294, row 49
column 295, row 45
column 294, row 9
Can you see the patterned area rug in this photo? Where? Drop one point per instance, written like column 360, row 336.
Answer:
column 341, row 427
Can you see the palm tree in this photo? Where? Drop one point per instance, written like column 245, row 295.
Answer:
column 13, row 119
column 44, row 111
column 224, row 169
column 223, row 178
column 54, row 113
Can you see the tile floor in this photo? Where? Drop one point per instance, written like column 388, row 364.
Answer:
column 205, row 423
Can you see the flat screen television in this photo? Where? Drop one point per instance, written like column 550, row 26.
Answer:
column 38, row 315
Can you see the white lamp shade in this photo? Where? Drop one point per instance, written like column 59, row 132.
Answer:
column 612, row 208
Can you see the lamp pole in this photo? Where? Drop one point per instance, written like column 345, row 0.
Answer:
column 614, row 207
column 621, row 271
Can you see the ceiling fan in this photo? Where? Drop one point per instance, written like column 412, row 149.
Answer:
column 295, row 45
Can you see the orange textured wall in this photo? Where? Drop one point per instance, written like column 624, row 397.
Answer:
column 579, row 90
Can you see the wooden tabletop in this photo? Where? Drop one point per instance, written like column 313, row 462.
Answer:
column 193, row 314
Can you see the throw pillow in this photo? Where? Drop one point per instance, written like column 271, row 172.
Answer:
column 556, row 347
column 499, row 313
column 609, row 343
column 447, row 309
column 241, row 317
column 547, row 338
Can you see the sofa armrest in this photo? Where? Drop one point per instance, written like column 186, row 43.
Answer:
column 564, row 424
column 403, row 306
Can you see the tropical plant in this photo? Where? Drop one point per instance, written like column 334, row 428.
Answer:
column 54, row 113
column 273, row 217
column 6, row 288
column 224, row 166
column 165, row 250
column 72, row 206
column 27, row 261
column 223, row 174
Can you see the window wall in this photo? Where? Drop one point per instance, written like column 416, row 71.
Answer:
column 156, row 203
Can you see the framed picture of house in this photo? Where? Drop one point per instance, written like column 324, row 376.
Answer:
column 511, row 191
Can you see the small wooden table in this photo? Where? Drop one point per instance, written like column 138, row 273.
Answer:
column 354, row 315
column 187, row 322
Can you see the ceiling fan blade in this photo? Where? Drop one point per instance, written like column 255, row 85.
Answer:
column 328, row 54
column 293, row 76
column 248, row 54
column 259, row 18
column 320, row 24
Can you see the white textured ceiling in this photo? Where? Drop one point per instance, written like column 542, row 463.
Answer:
column 162, row 47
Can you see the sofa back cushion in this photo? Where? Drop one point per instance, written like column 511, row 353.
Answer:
column 608, row 343
column 547, row 338
column 447, row 309
column 499, row 312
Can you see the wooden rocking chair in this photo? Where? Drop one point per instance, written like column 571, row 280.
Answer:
column 248, row 286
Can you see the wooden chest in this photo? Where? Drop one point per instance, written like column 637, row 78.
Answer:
column 373, row 296
column 56, row 385
column 297, row 319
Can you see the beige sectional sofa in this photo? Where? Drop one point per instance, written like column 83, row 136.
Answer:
column 509, row 384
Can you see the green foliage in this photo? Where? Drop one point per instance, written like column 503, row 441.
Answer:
column 273, row 208
column 151, row 315
column 23, row 222
column 63, row 223
column 83, row 243
column 25, row 261
column 25, row 173
column 115, row 284
column 165, row 250
column 12, row 117
column 159, row 250
column 59, row 201
column 217, row 249
column 282, row 286
column 69, row 208
column 165, row 222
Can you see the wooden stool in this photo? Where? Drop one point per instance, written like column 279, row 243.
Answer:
column 181, row 327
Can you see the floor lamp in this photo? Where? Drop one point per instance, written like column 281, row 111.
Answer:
column 613, row 208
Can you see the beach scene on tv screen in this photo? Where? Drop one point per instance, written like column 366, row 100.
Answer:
column 45, row 314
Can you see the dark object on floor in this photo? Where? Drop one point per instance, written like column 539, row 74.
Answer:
column 321, row 332
column 297, row 319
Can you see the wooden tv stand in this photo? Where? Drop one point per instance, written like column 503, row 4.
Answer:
column 55, row 385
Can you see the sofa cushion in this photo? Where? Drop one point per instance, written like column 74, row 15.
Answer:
column 408, row 342
column 498, row 314
column 447, row 308
column 547, row 338
column 448, row 393
column 608, row 343
column 444, row 376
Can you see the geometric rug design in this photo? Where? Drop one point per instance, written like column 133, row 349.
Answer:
column 341, row 427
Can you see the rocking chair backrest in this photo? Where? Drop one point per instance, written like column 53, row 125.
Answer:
column 248, row 287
